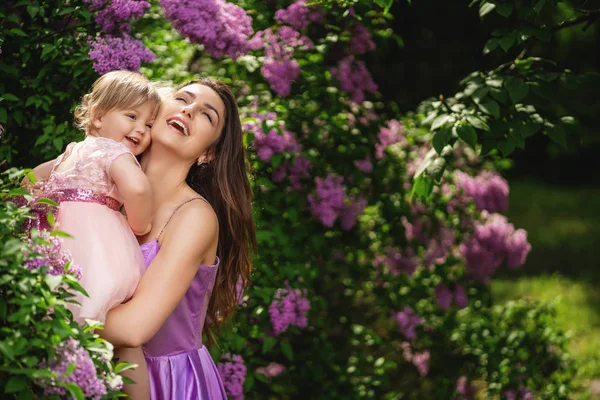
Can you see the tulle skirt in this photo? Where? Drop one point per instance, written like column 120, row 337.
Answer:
column 186, row 376
column 106, row 250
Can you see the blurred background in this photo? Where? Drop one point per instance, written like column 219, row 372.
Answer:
column 555, row 193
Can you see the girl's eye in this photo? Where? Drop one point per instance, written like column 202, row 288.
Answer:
column 131, row 116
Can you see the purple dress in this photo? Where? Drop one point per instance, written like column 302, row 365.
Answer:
column 179, row 365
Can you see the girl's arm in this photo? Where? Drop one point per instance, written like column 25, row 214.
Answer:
column 135, row 188
column 190, row 241
column 41, row 172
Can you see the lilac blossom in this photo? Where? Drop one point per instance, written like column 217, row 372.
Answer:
column 84, row 374
column 365, row 165
column 232, row 370
column 351, row 211
column 361, row 40
column 488, row 190
column 408, row 321
column 521, row 394
column 465, row 389
column 268, row 144
column 272, row 370
column 113, row 53
column 421, row 361
column 51, row 255
column 289, row 307
column 491, row 243
column 460, row 296
column 327, row 202
column 388, row 135
column 398, row 262
column 299, row 15
column 443, row 296
column 355, row 79
column 299, row 170
column 114, row 16
column 221, row 27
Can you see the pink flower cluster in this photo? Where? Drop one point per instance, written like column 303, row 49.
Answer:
column 419, row 360
column 84, row 375
column 289, row 307
column 445, row 296
column 408, row 321
column 354, row 78
column 279, row 68
column 268, row 144
column 328, row 203
column 388, row 135
column 233, row 373
column 488, row 190
column 466, row 390
column 299, row 15
column 221, row 27
column 113, row 52
column 361, row 42
column 493, row 242
column 365, row 165
column 51, row 255
column 521, row 394
column 438, row 242
column 272, row 370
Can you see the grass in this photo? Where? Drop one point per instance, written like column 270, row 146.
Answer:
column 563, row 227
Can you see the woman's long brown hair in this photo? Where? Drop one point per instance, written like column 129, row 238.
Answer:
column 224, row 183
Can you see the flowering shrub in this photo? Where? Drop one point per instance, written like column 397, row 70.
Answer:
column 361, row 289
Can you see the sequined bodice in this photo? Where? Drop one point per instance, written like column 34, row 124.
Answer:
column 91, row 163
column 182, row 331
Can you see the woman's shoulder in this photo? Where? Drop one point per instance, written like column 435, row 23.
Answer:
column 195, row 216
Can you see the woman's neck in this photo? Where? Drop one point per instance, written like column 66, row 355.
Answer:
column 166, row 174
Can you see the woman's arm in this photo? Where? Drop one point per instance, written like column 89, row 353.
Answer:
column 191, row 240
column 41, row 172
column 135, row 187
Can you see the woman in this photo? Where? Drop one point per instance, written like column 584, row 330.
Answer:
column 200, row 243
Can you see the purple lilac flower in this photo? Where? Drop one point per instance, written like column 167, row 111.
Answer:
column 266, row 145
column 361, row 40
column 393, row 133
column 327, row 202
column 350, row 212
column 280, row 172
column 522, row 394
column 443, row 296
column 408, row 321
column 407, row 351
column 397, row 262
column 488, row 190
column 299, row 170
column 112, row 53
column 460, row 297
column 269, row 144
column 421, row 361
column 279, row 68
column 289, row 307
column 365, row 165
column 354, row 78
column 115, row 15
column 465, row 389
column 493, row 242
column 272, row 370
column 439, row 246
column 298, row 15
column 52, row 256
column 221, row 27
column 84, row 375
column 233, row 373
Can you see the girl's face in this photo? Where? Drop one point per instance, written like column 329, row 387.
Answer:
column 190, row 121
column 128, row 126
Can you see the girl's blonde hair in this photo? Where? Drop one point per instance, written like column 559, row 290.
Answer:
column 115, row 90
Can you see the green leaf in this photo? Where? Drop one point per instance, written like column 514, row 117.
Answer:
column 47, row 48
column 3, row 115
column 491, row 45
column 47, row 201
column 422, row 187
column 467, row 134
column 123, row 366
column 439, row 121
column 487, row 146
column 504, row 9
column 268, row 344
column 53, row 281
column 558, row 134
column 506, row 146
column 75, row 391
column 58, row 143
column 507, row 42
column 436, row 168
column 517, row 89
column 486, row 8
column 16, row 384
column 490, row 107
column 539, row 5
column 286, row 349
column 440, row 139
column 18, row 32
column 32, row 10
column 477, row 122
column 10, row 97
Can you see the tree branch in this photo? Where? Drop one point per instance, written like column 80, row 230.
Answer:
column 589, row 16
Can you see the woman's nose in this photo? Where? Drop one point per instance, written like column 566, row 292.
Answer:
column 188, row 110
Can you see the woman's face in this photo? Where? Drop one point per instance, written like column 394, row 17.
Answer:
column 189, row 121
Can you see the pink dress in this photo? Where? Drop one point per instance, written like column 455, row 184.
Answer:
column 103, row 245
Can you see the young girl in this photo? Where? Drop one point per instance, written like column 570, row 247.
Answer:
column 91, row 180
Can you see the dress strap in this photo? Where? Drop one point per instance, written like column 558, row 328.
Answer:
column 178, row 207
